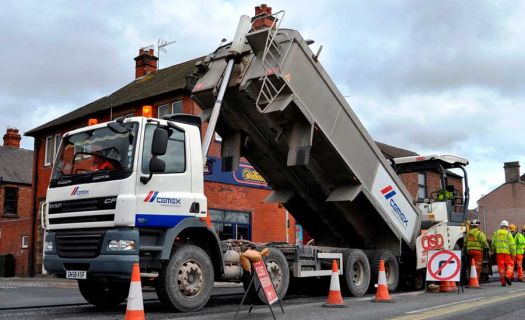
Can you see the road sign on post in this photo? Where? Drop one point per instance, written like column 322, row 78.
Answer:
column 444, row 265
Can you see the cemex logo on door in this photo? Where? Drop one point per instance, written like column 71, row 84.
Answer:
column 153, row 197
column 388, row 192
column 77, row 192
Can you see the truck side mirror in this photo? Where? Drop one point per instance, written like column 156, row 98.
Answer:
column 159, row 143
column 156, row 165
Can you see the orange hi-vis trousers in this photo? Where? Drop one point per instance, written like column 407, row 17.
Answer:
column 505, row 266
column 478, row 258
column 519, row 266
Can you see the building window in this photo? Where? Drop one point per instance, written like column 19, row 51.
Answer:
column 25, row 242
column 58, row 139
column 10, row 201
column 163, row 110
column 177, row 107
column 231, row 224
column 421, row 186
column 50, row 151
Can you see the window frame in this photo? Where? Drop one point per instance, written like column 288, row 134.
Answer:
column 55, row 145
column 181, row 106
column 168, row 107
column 15, row 213
column 422, row 186
column 25, row 242
column 49, row 142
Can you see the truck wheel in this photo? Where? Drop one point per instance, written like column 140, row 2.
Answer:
column 103, row 294
column 356, row 272
column 279, row 273
column 185, row 283
column 391, row 269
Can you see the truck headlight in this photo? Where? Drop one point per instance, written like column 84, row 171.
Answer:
column 48, row 246
column 122, row 245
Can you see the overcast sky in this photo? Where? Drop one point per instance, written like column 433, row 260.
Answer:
column 442, row 77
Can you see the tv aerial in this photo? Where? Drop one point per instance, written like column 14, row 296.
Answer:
column 161, row 47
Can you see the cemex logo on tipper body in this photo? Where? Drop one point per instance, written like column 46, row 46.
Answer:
column 388, row 192
column 77, row 192
column 153, row 197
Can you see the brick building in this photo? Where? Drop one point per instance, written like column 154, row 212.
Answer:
column 505, row 202
column 16, row 219
column 234, row 198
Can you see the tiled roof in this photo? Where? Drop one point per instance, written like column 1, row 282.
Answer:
column 394, row 152
column 16, row 165
column 161, row 82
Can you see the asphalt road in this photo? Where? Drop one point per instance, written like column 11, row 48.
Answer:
column 28, row 299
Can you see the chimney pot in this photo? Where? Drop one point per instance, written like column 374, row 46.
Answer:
column 512, row 171
column 12, row 138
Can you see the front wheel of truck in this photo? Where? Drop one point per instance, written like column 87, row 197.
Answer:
column 185, row 283
column 103, row 294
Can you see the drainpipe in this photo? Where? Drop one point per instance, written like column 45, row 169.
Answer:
column 34, row 225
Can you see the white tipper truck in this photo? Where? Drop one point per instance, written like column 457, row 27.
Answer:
column 132, row 190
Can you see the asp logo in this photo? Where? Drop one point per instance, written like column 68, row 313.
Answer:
column 77, row 192
column 153, row 197
column 389, row 192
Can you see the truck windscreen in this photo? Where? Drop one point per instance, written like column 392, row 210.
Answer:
column 95, row 155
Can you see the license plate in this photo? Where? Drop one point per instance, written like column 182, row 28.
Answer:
column 76, row 275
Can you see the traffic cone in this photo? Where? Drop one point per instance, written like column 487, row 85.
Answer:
column 382, row 294
column 447, row 286
column 473, row 280
column 335, row 300
column 135, row 306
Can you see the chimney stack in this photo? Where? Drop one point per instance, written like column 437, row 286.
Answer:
column 12, row 138
column 145, row 62
column 263, row 17
column 512, row 172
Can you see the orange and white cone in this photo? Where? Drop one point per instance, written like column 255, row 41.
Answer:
column 473, row 280
column 135, row 306
column 382, row 294
column 335, row 299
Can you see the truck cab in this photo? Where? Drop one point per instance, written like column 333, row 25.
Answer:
column 444, row 210
column 117, row 196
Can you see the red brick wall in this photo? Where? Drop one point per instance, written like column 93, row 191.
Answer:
column 433, row 182
column 12, row 229
column 268, row 219
column 506, row 202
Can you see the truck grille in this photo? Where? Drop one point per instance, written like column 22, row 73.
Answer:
column 92, row 204
column 85, row 244
column 82, row 219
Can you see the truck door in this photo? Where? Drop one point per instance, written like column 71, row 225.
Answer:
column 166, row 199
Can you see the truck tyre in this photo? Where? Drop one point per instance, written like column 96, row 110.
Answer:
column 279, row 273
column 103, row 294
column 185, row 283
column 356, row 272
column 391, row 269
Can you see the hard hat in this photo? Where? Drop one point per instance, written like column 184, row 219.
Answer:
column 475, row 223
column 512, row 227
column 504, row 223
